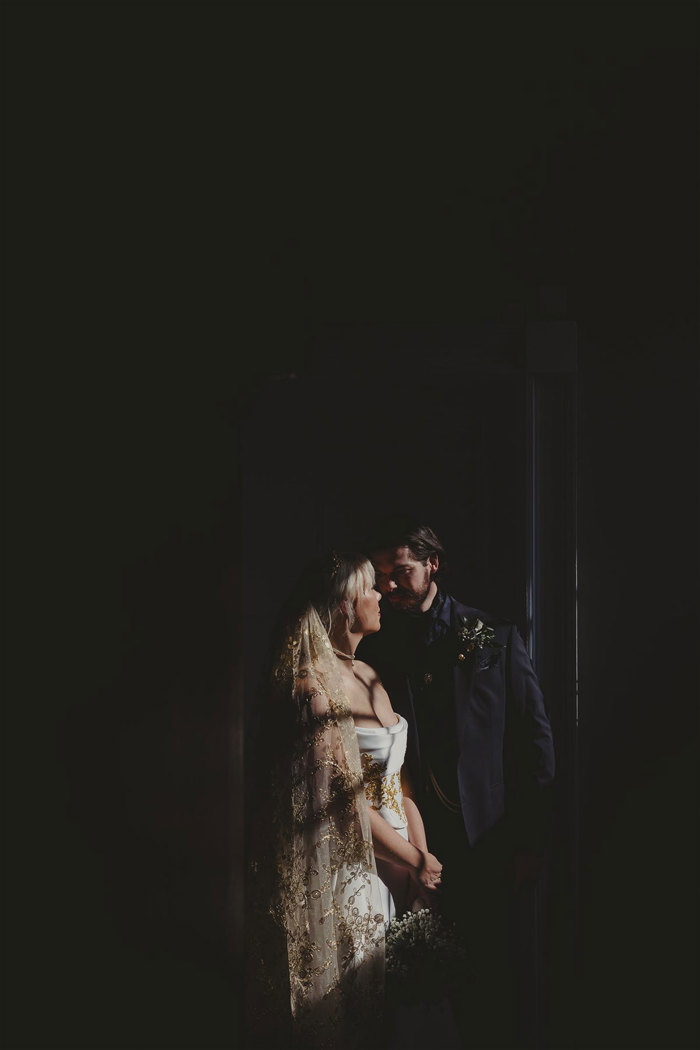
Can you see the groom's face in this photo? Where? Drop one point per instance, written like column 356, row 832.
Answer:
column 402, row 579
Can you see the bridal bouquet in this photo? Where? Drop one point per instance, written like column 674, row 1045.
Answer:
column 424, row 958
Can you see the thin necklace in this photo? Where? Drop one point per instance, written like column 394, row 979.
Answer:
column 346, row 656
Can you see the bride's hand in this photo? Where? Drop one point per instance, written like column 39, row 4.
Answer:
column 428, row 874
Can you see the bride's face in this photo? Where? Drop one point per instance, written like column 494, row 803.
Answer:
column 367, row 613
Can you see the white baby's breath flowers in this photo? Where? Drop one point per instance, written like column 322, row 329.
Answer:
column 422, row 952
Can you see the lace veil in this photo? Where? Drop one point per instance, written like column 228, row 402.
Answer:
column 325, row 893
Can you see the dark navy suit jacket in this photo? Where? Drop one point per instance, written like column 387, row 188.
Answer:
column 504, row 748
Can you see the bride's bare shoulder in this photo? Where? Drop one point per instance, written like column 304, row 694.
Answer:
column 366, row 671
column 370, row 680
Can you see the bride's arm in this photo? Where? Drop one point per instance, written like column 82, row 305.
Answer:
column 416, row 827
column 416, row 835
column 389, row 845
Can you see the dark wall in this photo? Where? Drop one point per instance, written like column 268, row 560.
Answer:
column 192, row 193
column 639, row 689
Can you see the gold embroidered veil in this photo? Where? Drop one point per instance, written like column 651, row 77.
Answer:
column 325, row 893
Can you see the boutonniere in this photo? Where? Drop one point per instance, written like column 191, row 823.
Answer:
column 474, row 635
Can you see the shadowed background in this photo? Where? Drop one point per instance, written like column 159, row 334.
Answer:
column 193, row 193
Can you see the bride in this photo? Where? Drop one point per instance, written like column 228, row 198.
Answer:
column 348, row 845
column 407, row 871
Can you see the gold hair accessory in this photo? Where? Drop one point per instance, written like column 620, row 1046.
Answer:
column 335, row 563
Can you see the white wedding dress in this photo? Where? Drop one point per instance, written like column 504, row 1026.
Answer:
column 382, row 751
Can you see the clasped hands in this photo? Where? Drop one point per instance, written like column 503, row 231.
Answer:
column 427, row 876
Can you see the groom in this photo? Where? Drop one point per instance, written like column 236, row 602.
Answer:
column 480, row 756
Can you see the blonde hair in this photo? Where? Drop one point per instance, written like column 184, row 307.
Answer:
column 351, row 576
column 332, row 584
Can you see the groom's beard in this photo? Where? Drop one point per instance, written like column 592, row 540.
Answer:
column 408, row 601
